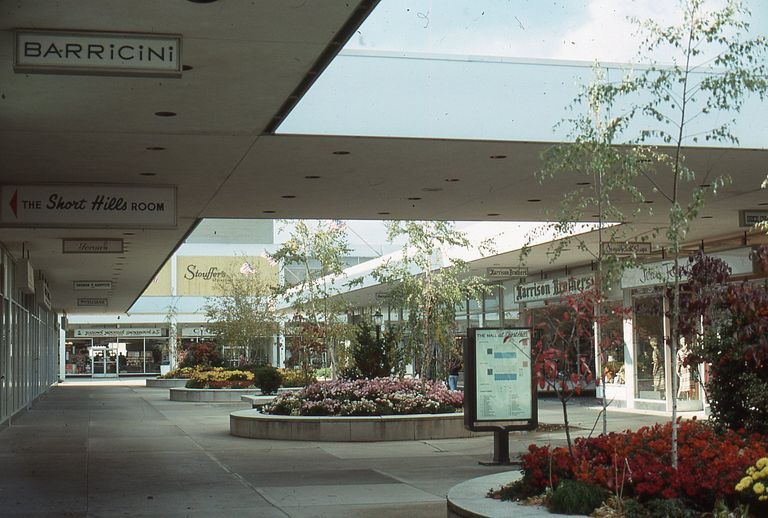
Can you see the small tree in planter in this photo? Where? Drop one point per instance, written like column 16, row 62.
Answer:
column 374, row 357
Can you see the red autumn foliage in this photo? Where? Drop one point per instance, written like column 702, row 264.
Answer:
column 710, row 463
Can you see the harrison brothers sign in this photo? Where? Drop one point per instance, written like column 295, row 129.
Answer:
column 99, row 53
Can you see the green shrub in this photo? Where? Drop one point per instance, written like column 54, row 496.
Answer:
column 575, row 497
column 669, row 508
column 296, row 378
column 323, row 372
column 267, row 378
column 374, row 358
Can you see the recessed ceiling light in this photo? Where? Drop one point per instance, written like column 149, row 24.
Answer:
column 154, row 148
column 187, row 68
column 432, row 189
column 202, row 1
column 268, row 211
column 595, row 215
column 312, row 177
column 452, row 180
column 165, row 114
column 288, row 196
column 414, row 198
column 705, row 185
column 534, row 200
column 498, row 157
column 341, row 152
column 147, row 174
column 383, row 213
column 583, row 183
column 128, row 234
column 763, row 204
column 706, row 217
column 493, row 214
column 648, row 201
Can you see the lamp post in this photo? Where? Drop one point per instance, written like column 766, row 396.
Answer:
column 378, row 319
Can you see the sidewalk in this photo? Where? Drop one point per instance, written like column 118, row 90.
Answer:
column 112, row 448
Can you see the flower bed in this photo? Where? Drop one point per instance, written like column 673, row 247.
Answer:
column 219, row 378
column 379, row 396
column 636, row 465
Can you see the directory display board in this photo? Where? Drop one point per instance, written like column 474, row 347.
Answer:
column 499, row 386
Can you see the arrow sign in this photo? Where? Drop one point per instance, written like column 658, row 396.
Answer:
column 14, row 203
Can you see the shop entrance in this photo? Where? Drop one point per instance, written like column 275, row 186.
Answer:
column 104, row 361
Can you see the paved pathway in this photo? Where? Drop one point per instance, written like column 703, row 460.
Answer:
column 119, row 449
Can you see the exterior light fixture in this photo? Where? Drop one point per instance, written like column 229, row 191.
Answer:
column 378, row 319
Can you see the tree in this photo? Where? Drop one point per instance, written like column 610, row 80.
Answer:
column 715, row 66
column 316, row 294
column 428, row 284
column 375, row 356
column 243, row 314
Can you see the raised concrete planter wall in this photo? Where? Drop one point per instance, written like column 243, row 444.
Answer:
column 468, row 500
column 165, row 383
column 255, row 425
column 209, row 395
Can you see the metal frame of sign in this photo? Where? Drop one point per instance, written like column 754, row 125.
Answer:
column 471, row 420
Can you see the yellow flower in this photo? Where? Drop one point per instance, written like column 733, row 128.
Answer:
column 758, row 488
column 751, row 470
column 746, row 481
column 763, row 498
column 762, row 462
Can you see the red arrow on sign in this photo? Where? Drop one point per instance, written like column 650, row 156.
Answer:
column 14, row 203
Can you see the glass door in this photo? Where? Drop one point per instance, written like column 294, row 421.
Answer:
column 104, row 361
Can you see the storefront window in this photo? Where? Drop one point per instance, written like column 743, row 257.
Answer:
column 77, row 359
column 612, row 340
column 650, row 350
column 153, row 351
column 130, row 355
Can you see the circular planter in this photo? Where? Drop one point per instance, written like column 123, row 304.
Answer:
column 165, row 382
column 255, row 425
column 468, row 500
column 190, row 395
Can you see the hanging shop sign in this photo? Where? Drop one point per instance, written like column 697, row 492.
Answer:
column 750, row 218
column 507, row 272
column 102, row 332
column 499, row 384
column 88, row 206
column 25, row 276
column 553, row 288
column 97, row 53
column 42, row 292
column 91, row 285
column 187, row 332
column 92, row 246
column 97, row 302
column 626, row 249
column 740, row 260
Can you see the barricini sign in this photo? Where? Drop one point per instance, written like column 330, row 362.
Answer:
column 87, row 206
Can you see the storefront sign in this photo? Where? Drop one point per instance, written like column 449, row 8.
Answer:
column 553, row 288
column 91, row 285
column 750, row 218
column 508, row 272
column 628, row 249
column 196, row 331
column 663, row 272
column 92, row 246
column 42, row 292
column 25, row 276
column 101, row 332
column 500, row 386
column 85, row 206
column 97, row 53
column 92, row 302
column 201, row 275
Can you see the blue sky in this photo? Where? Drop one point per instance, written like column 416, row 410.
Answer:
column 484, row 69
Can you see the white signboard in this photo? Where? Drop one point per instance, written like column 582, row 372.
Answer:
column 92, row 302
column 503, row 374
column 195, row 331
column 628, row 248
column 750, row 218
column 101, row 332
column 508, row 272
column 86, row 206
column 553, row 288
column 101, row 53
column 92, row 285
column 740, row 261
column 92, row 246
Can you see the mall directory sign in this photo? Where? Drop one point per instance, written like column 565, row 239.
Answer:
column 499, row 386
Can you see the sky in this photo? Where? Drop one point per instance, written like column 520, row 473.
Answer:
column 488, row 69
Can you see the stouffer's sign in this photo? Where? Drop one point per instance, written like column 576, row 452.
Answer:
column 210, row 274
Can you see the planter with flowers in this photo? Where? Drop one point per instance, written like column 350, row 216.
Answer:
column 380, row 409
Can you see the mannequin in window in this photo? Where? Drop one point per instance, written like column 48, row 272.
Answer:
column 686, row 387
column 657, row 362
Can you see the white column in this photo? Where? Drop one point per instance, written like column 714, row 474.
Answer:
column 629, row 350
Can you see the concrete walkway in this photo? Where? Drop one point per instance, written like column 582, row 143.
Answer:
column 116, row 448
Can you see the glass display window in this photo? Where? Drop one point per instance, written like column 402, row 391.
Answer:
column 650, row 347
column 77, row 360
